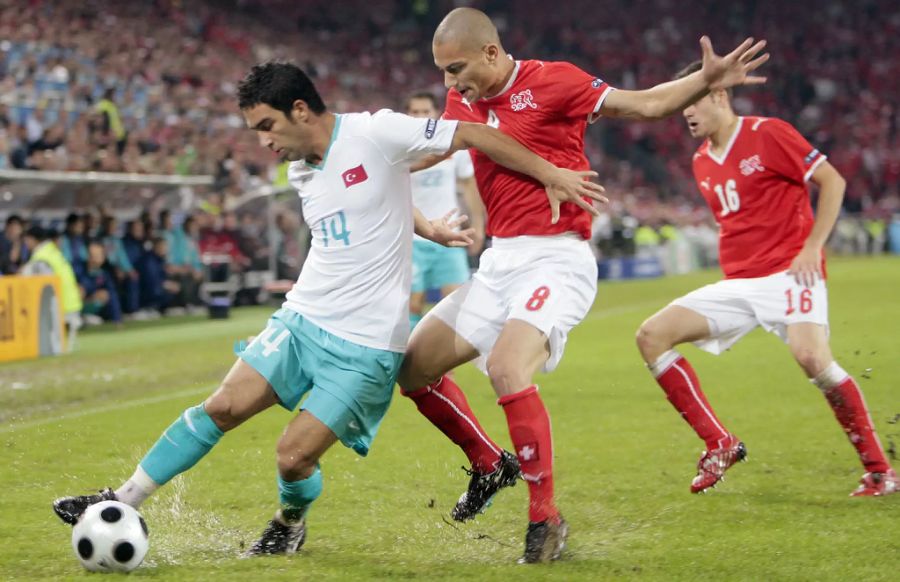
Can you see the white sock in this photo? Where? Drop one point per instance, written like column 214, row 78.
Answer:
column 830, row 377
column 663, row 363
column 137, row 489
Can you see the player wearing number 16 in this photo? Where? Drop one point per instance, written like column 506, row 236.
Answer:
column 752, row 171
column 340, row 335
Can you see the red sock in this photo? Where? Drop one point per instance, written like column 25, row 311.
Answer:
column 850, row 409
column 682, row 388
column 445, row 405
column 529, row 427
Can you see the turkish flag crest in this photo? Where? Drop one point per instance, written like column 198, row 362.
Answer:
column 354, row 176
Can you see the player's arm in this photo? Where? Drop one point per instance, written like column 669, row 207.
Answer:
column 476, row 212
column 807, row 265
column 443, row 231
column 561, row 184
column 717, row 72
column 427, row 162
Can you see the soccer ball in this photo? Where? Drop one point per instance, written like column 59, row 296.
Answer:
column 110, row 537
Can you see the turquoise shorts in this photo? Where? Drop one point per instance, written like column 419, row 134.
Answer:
column 435, row 266
column 349, row 386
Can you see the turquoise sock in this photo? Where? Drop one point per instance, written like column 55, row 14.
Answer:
column 184, row 443
column 297, row 496
column 414, row 319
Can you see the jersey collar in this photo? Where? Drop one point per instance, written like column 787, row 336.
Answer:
column 509, row 84
column 721, row 159
column 334, row 133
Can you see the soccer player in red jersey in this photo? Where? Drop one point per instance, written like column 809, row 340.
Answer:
column 539, row 278
column 752, row 171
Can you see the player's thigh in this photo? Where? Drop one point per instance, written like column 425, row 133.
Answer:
column 434, row 349
column 520, row 351
column 668, row 327
column 728, row 310
column 302, row 444
column 808, row 343
column 243, row 393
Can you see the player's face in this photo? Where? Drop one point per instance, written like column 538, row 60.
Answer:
column 288, row 137
column 470, row 72
column 421, row 107
column 702, row 117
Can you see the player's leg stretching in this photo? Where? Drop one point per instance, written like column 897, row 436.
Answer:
column 423, row 378
column 656, row 340
column 243, row 393
column 809, row 346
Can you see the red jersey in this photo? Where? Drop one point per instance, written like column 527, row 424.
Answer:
column 546, row 106
column 757, row 192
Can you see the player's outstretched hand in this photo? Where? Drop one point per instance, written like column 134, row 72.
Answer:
column 445, row 230
column 736, row 67
column 807, row 266
column 572, row 186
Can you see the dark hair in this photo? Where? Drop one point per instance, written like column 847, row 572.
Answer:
column 14, row 218
column 39, row 233
column 278, row 85
column 693, row 68
column 420, row 95
column 72, row 218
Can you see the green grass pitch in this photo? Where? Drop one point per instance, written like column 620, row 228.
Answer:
column 624, row 459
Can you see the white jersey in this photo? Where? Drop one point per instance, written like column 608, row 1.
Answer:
column 434, row 189
column 356, row 280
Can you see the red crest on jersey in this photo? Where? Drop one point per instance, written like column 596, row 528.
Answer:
column 354, row 176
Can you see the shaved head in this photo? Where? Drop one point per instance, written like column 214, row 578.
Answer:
column 469, row 28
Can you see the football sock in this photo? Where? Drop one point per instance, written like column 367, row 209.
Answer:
column 297, row 496
column 445, row 405
column 682, row 387
column 184, row 443
column 529, row 427
column 137, row 489
column 846, row 400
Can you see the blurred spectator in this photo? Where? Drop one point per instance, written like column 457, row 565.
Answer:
column 73, row 243
column 46, row 258
column 126, row 276
column 13, row 253
column 157, row 289
column 101, row 299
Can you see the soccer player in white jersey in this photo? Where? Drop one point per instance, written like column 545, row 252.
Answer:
column 339, row 338
column 434, row 193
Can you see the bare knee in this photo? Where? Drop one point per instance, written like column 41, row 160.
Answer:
column 415, row 373
column 221, row 409
column 652, row 341
column 295, row 462
column 506, row 376
column 812, row 361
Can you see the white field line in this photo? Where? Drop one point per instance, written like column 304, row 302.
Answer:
column 107, row 408
column 596, row 314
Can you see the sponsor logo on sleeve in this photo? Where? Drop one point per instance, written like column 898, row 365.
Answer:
column 354, row 176
column 597, row 83
column 430, row 127
column 810, row 157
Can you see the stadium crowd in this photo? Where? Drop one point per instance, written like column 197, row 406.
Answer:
column 148, row 87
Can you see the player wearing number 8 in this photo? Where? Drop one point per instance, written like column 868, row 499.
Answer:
column 340, row 335
column 752, row 171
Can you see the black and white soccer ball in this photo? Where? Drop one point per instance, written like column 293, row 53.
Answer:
column 110, row 537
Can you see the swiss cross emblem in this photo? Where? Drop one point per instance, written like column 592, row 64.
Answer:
column 354, row 176
column 751, row 164
column 528, row 452
column 522, row 100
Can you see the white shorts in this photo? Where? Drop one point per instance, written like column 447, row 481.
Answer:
column 547, row 281
column 734, row 307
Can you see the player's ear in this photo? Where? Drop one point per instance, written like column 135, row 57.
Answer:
column 299, row 111
column 491, row 53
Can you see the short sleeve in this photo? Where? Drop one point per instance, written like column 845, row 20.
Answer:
column 405, row 139
column 794, row 158
column 579, row 94
column 463, row 163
